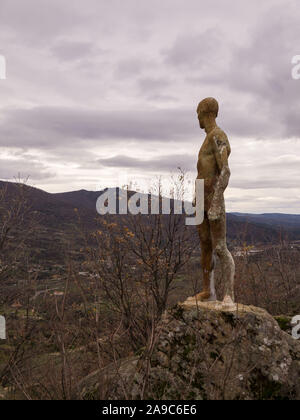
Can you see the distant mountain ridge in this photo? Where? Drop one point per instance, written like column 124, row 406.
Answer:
column 277, row 219
column 57, row 210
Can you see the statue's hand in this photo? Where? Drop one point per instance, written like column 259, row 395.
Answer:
column 214, row 213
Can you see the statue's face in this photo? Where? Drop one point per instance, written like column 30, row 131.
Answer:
column 201, row 118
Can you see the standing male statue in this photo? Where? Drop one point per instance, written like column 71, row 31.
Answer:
column 214, row 170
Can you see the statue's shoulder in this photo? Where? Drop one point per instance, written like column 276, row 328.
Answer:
column 218, row 133
column 219, row 137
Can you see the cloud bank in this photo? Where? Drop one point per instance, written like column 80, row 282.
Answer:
column 98, row 88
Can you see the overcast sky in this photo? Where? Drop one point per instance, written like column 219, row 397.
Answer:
column 100, row 89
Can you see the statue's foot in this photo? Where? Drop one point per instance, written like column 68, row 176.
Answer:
column 201, row 297
column 228, row 301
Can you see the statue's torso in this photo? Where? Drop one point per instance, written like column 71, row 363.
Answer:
column 207, row 165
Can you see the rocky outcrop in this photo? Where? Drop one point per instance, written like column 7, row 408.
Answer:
column 211, row 351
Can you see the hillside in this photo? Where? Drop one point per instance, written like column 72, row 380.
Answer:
column 291, row 221
column 61, row 212
column 76, row 286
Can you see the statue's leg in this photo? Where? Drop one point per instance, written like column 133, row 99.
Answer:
column 218, row 235
column 207, row 262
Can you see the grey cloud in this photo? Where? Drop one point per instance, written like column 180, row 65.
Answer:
column 23, row 169
column 253, row 77
column 151, row 85
column 131, row 67
column 164, row 98
column 38, row 22
column 162, row 55
column 50, row 127
column 258, row 204
column 284, row 165
column 162, row 164
column 261, row 183
column 292, row 120
column 69, row 51
column 263, row 68
column 193, row 51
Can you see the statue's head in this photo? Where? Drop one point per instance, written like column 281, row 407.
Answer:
column 207, row 109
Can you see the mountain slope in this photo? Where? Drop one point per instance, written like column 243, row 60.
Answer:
column 61, row 211
column 272, row 219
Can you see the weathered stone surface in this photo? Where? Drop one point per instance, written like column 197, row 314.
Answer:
column 210, row 351
column 213, row 168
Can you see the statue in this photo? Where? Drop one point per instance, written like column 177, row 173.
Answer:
column 214, row 170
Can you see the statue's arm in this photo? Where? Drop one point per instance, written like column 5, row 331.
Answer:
column 221, row 149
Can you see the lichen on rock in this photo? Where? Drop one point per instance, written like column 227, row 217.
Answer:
column 205, row 350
